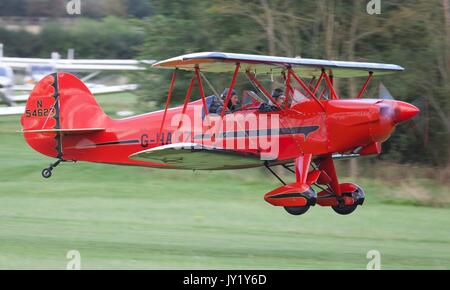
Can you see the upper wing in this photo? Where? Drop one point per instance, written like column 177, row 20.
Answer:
column 197, row 157
column 305, row 67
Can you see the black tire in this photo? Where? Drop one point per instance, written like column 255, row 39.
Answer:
column 297, row 210
column 358, row 195
column 46, row 173
column 344, row 209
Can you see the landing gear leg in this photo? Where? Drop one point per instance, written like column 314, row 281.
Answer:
column 301, row 173
column 347, row 195
column 47, row 172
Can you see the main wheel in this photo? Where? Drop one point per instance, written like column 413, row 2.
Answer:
column 344, row 209
column 46, row 173
column 297, row 210
column 358, row 196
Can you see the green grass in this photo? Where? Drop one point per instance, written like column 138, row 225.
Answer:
column 129, row 217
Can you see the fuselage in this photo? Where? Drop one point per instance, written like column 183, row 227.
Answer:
column 280, row 136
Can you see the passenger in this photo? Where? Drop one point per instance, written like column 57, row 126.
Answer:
column 233, row 104
column 216, row 105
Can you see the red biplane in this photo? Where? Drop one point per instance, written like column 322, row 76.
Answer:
column 304, row 134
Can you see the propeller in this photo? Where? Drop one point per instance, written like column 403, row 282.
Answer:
column 420, row 123
column 397, row 111
column 383, row 92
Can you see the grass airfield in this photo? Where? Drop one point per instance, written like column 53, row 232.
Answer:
column 138, row 218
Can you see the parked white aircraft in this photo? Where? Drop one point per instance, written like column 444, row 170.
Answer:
column 6, row 84
column 37, row 68
column 6, row 77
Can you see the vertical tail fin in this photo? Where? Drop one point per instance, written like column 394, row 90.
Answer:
column 59, row 104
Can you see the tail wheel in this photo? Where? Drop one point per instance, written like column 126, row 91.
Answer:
column 46, row 173
column 358, row 199
column 297, row 210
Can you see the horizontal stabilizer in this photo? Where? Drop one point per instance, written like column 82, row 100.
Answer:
column 197, row 157
column 66, row 131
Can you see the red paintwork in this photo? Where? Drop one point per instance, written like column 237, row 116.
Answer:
column 301, row 164
column 286, row 189
column 343, row 126
column 313, row 177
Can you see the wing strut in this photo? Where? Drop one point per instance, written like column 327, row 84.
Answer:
column 318, row 82
column 169, row 95
column 186, row 100
column 233, row 80
column 254, row 80
column 308, row 88
column 305, row 87
column 329, row 80
column 364, row 88
column 195, row 77
column 202, row 91
column 289, row 92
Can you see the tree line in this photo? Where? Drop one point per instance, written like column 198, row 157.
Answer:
column 413, row 34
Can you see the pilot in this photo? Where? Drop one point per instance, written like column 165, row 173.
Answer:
column 279, row 98
column 278, row 95
column 217, row 103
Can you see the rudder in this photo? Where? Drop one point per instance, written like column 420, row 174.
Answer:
column 58, row 104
